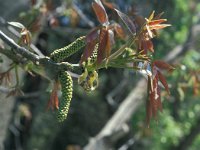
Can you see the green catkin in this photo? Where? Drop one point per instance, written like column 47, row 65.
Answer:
column 62, row 53
column 66, row 89
column 93, row 57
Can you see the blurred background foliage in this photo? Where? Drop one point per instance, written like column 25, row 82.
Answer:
column 89, row 112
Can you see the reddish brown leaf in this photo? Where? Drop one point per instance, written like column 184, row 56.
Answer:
column 103, row 39
column 145, row 45
column 154, row 102
column 100, row 12
column 120, row 32
column 150, row 84
column 92, row 35
column 88, row 51
column 54, row 102
column 109, row 5
column 163, row 65
column 158, row 26
column 154, row 22
column 108, row 46
column 163, row 81
column 127, row 21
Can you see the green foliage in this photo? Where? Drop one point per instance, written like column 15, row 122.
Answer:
column 66, row 88
column 61, row 54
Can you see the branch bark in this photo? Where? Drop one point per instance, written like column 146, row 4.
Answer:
column 51, row 68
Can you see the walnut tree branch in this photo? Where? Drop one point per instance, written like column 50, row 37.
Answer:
column 18, row 49
column 51, row 68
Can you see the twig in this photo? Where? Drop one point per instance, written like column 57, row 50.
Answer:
column 18, row 49
column 50, row 67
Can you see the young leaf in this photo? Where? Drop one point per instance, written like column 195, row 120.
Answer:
column 92, row 35
column 163, row 81
column 54, row 102
column 26, row 36
column 88, row 51
column 119, row 31
column 103, row 40
column 146, row 45
column 16, row 24
column 127, row 21
column 163, row 65
column 100, row 12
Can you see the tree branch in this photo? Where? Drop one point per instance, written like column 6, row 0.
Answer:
column 18, row 49
column 51, row 68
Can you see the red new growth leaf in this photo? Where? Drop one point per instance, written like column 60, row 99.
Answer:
column 163, row 81
column 163, row 65
column 146, row 45
column 100, row 12
column 109, row 5
column 103, row 41
column 92, row 35
column 154, row 101
column 54, row 102
column 91, row 40
column 88, row 51
column 155, row 22
column 119, row 31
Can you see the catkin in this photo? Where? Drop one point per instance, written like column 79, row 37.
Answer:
column 62, row 53
column 66, row 89
column 93, row 57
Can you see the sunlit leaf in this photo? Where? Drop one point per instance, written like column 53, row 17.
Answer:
column 16, row 24
column 127, row 21
column 151, row 16
column 154, row 22
column 100, row 12
column 158, row 26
